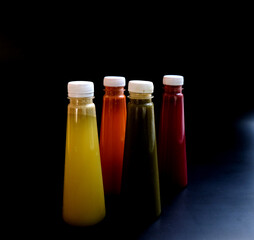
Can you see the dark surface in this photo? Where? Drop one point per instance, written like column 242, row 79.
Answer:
column 39, row 54
column 217, row 204
column 219, row 200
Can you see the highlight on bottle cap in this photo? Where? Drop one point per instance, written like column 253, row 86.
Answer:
column 139, row 86
column 173, row 80
column 114, row 81
column 80, row 89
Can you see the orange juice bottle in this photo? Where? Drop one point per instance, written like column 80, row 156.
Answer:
column 112, row 134
column 83, row 198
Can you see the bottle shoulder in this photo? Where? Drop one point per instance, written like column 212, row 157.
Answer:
column 86, row 109
column 175, row 96
column 140, row 105
column 77, row 106
column 107, row 96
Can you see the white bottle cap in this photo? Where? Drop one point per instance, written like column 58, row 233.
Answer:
column 139, row 86
column 80, row 89
column 173, row 80
column 114, row 81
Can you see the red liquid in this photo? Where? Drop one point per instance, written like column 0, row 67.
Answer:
column 171, row 147
column 112, row 136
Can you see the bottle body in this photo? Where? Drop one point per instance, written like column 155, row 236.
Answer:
column 83, row 200
column 172, row 149
column 140, row 182
column 112, row 137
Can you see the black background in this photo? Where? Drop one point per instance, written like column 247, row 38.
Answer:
column 43, row 49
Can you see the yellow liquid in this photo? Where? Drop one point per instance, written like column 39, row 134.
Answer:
column 83, row 200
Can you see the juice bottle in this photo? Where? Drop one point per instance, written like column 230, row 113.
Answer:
column 171, row 147
column 83, row 198
column 112, row 134
column 140, row 181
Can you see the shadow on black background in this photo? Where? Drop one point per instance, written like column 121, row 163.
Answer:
column 37, row 62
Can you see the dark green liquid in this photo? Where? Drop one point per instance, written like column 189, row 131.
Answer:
column 140, row 181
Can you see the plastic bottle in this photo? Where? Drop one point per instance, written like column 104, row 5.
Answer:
column 83, row 198
column 171, row 147
column 112, row 133
column 140, row 182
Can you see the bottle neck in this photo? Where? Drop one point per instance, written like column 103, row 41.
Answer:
column 173, row 89
column 114, row 91
column 140, row 97
column 81, row 101
column 134, row 95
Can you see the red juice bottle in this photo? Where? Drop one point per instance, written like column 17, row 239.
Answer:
column 112, row 134
column 171, row 147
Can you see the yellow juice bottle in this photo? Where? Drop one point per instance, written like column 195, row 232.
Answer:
column 83, row 197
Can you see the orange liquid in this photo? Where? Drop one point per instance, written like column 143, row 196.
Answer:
column 112, row 137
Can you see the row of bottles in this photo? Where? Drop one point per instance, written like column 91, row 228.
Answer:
column 125, row 161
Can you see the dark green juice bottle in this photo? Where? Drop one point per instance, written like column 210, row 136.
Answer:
column 140, row 180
